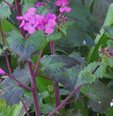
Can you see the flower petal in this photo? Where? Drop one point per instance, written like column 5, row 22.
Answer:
column 2, row 72
column 49, row 30
column 22, row 24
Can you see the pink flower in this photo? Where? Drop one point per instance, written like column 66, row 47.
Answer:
column 38, row 4
column 29, row 27
column 51, row 23
column 47, row 23
column 61, row 3
column 63, row 7
column 2, row 72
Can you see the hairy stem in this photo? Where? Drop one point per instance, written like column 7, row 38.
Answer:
column 56, row 87
column 34, row 90
column 11, row 6
column 5, row 52
column 20, row 84
column 18, row 9
column 38, row 61
column 65, row 101
column 25, row 108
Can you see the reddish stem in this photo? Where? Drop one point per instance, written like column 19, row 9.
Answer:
column 34, row 90
column 45, row 77
column 65, row 101
column 38, row 61
column 11, row 6
column 25, row 108
column 18, row 9
column 76, row 99
column 56, row 87
column 5, row 52
column 20, row 84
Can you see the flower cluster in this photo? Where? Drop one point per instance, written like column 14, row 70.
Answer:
column 2, row 72
column 63, row 6
column 106, row 52
column 32, row 21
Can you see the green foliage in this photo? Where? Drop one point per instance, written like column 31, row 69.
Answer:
column 99, row 96
column 75, row 37
column 11, row 89
column 26, row 48
column 5, row 10
column 6, row 110
column 101, row 38
column 62, row 69
column 6, row 27
column 110, row 44
column 108, row 31
column 90, row 73
column 54, row 36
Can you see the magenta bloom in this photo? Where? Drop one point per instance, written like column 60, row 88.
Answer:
column 32, row 21
column 51, row 23
column 38, row 4
column 47, row 23
column 63, row 7
column 2, row 72
column 29, row 27
column 61, row 3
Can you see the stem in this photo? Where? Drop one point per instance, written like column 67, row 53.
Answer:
column 65, row 101
column 5, row 52
column 25, row 108
column 95, row 69
column 34, row 90
column 20, row 84
column 76, row 99
column 45, row 77
column 18, row 9
column 52, row 47
column 56, row 87
column 9, row 5
column 38, row 61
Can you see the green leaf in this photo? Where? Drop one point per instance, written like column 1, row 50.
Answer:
column 42, row 10
column 6, row 27
column 99, row 96
column 109, row 112
column 6, row 110
column 75, row 37
column 11, row 90
column 82, row 17
column 110, row 43
column 5, row 9
column 26, row 48
column 109, row 31
column 101, row 38
column 86, row 76
column 54, row 36
column 62, row 69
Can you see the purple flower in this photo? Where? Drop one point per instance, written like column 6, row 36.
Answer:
column 63, row 7
column 50, row 23
column 29, row 27
column 61, row 3
column 2, row 72
column 38, row 4
column 47, row 23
